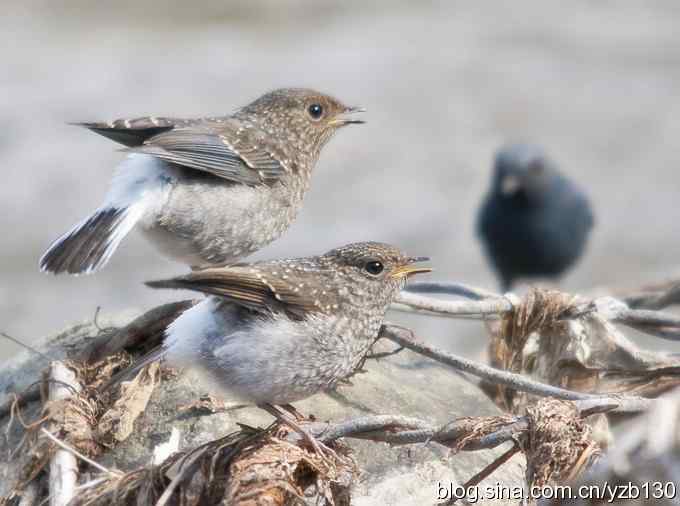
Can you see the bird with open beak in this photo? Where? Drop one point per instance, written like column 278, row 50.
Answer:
column 206, row 191
column 275, row 332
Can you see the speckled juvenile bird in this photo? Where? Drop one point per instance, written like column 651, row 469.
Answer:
column 206, row 191
column 534, row 221
column 275, row 332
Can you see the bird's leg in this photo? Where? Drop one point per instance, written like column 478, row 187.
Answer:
column 286, row 418
column 293, row 411
column 383, row 354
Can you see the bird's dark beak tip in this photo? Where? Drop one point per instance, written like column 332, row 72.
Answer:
column 352, row 121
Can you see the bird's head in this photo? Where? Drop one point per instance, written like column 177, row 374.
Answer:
column 523, row 172
column 305, row 118
column 373, row 272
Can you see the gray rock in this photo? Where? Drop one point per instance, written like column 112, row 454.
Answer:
column 401, row 384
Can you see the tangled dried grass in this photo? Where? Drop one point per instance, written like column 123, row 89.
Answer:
column 539, row 312
column 271, row 466
column 563, row 340
column 558, row 445
column 246, row 468
column 249, row 467
column 479, row 427
column 74, row 420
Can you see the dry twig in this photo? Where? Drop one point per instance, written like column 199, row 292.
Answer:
column 656, row 297
column 404, row 337
column 644, row 316
column 487, row 471
column 450, row 288
column 170, row 480
column 63, row 464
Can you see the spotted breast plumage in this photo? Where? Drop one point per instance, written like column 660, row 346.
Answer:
column 206, row 191
column 275, row 332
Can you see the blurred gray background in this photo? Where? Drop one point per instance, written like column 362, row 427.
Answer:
column 445, row 83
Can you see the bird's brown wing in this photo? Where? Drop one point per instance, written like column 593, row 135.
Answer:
column 250, row 287
column 133, row 132
column 218, row 149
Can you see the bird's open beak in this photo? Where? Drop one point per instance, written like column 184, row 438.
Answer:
column 409, row 270
column 345, row 118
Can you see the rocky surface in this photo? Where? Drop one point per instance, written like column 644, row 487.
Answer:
column 404, row 383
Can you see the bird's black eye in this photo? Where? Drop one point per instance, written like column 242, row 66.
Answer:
column 374, row 267
column 315, row 111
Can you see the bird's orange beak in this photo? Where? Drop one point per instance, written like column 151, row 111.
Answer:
column 407, row 269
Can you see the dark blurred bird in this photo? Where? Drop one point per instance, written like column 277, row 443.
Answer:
column 279, row 331
column 206, row 191
column 534, row 222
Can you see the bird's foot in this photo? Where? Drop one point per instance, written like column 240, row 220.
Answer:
column 321, row 449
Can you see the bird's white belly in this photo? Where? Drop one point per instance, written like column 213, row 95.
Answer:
column 269, row 360
column 212, row 222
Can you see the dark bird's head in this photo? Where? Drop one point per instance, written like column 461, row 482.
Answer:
column 303, row 118
column 523, row 173
column 372, row 271
column 535, row 222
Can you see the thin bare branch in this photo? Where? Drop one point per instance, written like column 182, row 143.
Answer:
column 400, row 430
column 404, row 337
column 453, row 308
column 648, row 317
column 357, row 427
column 25, row 345
column 75, row 452
column 655, row 298
column 603, row 404
column 503, row 435
column 487, row 471
column 655, row 323
column 450, row 288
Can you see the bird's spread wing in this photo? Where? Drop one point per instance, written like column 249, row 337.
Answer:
column 210, row 145
column 134, row 132
column 253, row 288
column 218, row 151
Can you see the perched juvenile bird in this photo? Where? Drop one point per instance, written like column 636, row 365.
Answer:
column 534, row 222
column 206, row 191
column 279, row 331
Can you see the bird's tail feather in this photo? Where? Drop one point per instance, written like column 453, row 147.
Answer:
column 88, row 246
